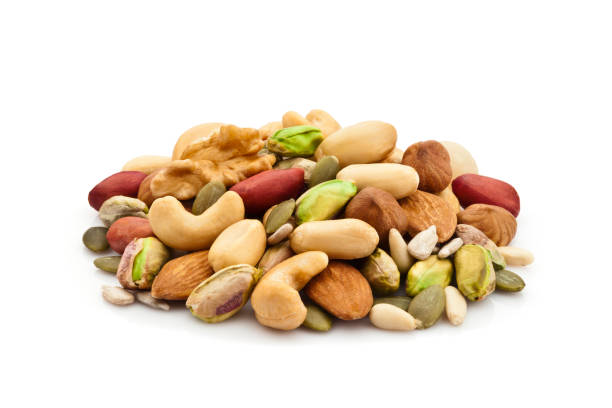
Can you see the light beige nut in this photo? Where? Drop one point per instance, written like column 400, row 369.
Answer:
column 280, row 234
column 390, row 317
column 450, row 248
column 241, row 243
column 516, row 256
column 365, row 142
column 346, row 238
column 461, row 160
column 324, row 121
column 147, row 164
column 399, row 251
column 456, row 306
column 121, row 206
column 450, row 197
column 269, row 129
column 423, row 243
column 146, row 299
column 275, row 255
column 198, row 132
column 397, row 179
column 394, row 157
column 276, row 299
column 117, row 295
column 180, row 229
column 292, row 118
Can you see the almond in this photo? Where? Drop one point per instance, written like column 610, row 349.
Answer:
column 342, row 291
column 424, row 210
column 181, row 275
column 474, row 189
column 432, row 162
column 496, row 222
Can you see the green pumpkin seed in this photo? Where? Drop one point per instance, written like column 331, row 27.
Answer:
column 428, row 305
column 326, row 169
column 400, row 301
column 508, row 281
column 317, row 319
column 279, row 215
column 207, row 196
column 95, row 239
column 108, row 263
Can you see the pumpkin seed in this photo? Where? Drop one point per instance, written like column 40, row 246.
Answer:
column 326, row 169
column 317, row 319
column 95, row 239
column 399, row 301
column 279, row 215
column 508, row 281
column 108, row 263
column 207, row 196
column 428, row 305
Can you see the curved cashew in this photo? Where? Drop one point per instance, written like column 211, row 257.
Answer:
column 276, row 300
column 180, row 229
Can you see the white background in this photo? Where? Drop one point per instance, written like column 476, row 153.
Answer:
column 84, row 87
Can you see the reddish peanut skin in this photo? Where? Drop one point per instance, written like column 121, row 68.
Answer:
column 268, row 188
column 475, row 189
column 125, row 229
column 124, row 183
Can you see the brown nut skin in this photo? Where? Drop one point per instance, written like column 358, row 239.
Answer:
column 180, row 276
column 125, row 183
column 432, row 162
column 268, row 188
column 495, row 222
column 424, row 210
column 379, row 209
column 341, row 290
column 125, row 229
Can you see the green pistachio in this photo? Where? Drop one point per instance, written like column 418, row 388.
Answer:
column 317, row 319
column 324, row 200
column 399, row 301
column 431, row 271
column 507, row 281
column 300, row 141
column 223, row 294
column 427, row 306
column 207, row 196
column 381, row 272
column 140, row 263
column 120, row 206
column 475, row 272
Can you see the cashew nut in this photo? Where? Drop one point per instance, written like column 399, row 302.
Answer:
column 276, row 300
column 180, row 229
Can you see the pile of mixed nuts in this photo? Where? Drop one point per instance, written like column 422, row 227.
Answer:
column 336, row 219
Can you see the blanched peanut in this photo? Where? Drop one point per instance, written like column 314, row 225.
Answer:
column 397, row 179
column 516, row 256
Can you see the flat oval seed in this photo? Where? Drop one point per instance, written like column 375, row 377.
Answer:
column 508, row 281
column 317, row 319
column 325, row 170
column 108, row 263
column 207, row 196
column 117, row 295
column 399, row 301
column 95, row 239
column 428, row 305
column 279, row 215
column 146, row 299
column 280, row 234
